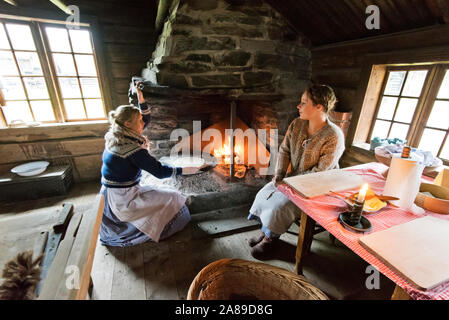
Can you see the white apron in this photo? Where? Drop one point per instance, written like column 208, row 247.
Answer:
column 275, row 210
column 148, row 208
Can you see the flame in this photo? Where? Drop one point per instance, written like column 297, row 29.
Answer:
column 362, row 193
column 225, row 153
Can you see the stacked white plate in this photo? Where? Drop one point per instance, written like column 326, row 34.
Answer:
column 31, row 168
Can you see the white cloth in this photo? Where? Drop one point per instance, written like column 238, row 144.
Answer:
column 275, row 210
column 148, row 208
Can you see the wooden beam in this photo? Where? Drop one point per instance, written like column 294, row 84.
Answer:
column 11, row 2
column 61, row 6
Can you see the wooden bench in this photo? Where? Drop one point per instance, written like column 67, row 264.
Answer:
column 68, row 277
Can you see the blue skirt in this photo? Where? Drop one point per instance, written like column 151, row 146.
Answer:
column 117, row 233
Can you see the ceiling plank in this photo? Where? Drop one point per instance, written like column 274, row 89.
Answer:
column 423, row 11
column 444, row 8
column 295, row 21
column 342, row 12
column 359, row 15
column 410, row 10
column 397, row 14
column 387, row 24
column 322, row 23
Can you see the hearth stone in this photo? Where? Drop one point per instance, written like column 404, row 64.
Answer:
column 208, row 191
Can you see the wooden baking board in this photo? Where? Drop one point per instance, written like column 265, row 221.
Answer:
column 417, row 250
column 319, row 183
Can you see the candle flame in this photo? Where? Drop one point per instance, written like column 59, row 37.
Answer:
column 362, row 193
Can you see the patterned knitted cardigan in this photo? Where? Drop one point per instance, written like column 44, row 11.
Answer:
column 126, row 155
column 319, row 152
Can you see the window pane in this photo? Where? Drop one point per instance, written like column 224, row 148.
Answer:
column 4, row 44
column 414, row 84
column 7, row 64
column 12, row 88
column 81, row 41
column 406, row 110
column 444, row 90
column 380, row 129
column 439, row 117
column 64, row 64
column 17, row 110
column 20, row 36
column 94, row 108
column 36, row 88
column 387, row 107
column 70, row 88
column 85, row 65
column 29, row 63
column 445, row 152
column 42, row 110
column 90, row 88
column 394, row 84
column 399, row 130
column 58, row 39
column 431, row 140
column 74, row 109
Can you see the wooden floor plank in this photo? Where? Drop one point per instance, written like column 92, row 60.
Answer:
column 128, row 279
column 193, row 256
column 102, row 273
column 160, row 282
column 119, row 276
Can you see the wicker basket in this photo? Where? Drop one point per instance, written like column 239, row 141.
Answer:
column 236, row 279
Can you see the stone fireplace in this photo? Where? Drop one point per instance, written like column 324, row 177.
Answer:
column 213, row 52
column 218, row 60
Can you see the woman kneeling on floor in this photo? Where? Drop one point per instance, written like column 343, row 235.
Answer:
column 312, row 143
column 134, row 214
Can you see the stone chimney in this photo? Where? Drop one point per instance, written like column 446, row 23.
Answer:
column 213, row 51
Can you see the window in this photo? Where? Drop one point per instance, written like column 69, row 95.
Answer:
column 48, row 73
column 414, row 106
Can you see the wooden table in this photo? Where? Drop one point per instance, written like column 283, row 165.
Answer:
column 325, row 210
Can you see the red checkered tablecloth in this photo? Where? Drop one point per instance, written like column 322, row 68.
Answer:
column 326, row 209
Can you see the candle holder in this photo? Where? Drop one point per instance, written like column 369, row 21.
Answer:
column 354, row 220
column 356, row 213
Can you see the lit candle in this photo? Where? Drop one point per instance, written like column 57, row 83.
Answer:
column 362, row 193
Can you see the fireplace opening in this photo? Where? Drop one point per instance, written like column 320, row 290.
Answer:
column 231, row 144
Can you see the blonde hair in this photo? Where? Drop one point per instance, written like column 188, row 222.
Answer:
column 324, row 95
column 122, row 114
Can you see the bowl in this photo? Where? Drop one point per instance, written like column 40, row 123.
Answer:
column 30, row 168
column 439, row 203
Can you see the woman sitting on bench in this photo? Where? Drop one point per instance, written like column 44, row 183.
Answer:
column 133, row 213
column 312, row 143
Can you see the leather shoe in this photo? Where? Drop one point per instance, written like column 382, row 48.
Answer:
column 256, row 239
column 265, row 249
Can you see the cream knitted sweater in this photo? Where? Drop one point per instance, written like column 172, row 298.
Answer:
column 319, row 152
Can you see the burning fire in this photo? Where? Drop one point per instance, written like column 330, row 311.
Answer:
column 224, row 153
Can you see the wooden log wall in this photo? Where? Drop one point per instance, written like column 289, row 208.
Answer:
column 347, row 67
column 81, row 146
column 125, row 32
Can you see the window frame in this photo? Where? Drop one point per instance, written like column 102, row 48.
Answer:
column 40, row 39
column 432, row 84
